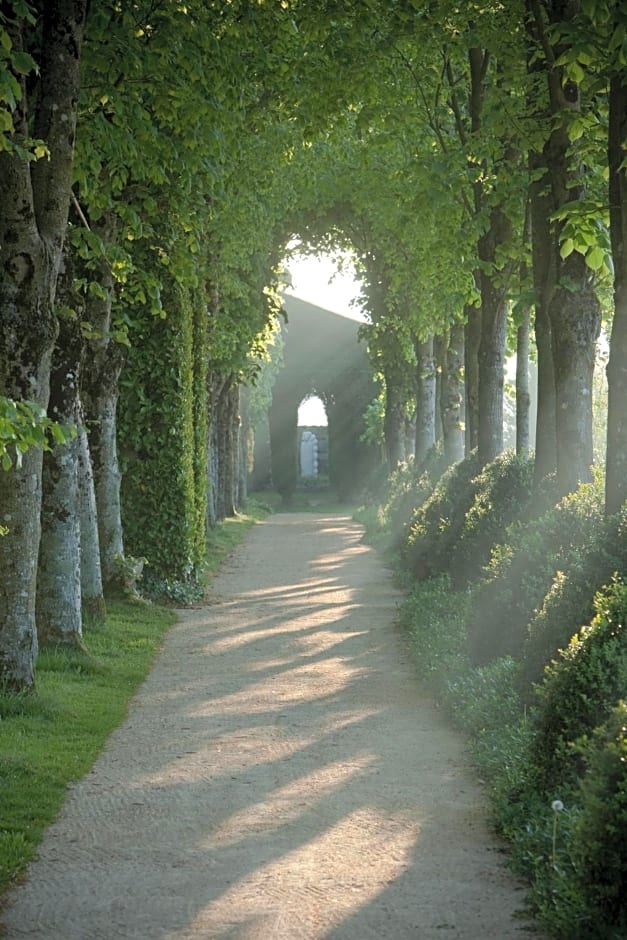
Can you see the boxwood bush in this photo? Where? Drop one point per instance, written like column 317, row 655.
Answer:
column 580, row 690
column 522, row 569
column 599, row 842
column 502, row 495
column 436, row 525
column 569, row 603
column 409, row 488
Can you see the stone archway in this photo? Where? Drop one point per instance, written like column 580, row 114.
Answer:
column 323, row 357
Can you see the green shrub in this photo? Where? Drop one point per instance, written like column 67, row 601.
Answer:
column 522, row 570
column 580, row 689
column 600, row 843
column 569, row 603
column 502, row 494
column 409, row 487
column 436, row 525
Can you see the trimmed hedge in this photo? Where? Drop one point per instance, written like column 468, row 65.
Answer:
column 569, row 603
column 502, row 495
column 163, row 440
column 408, row 489
column 580, row 690
column 436, row 525
column 521, row 572
column 599, row 843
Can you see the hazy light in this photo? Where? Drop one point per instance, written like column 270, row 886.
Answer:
column 318, row 281
column 312, row 413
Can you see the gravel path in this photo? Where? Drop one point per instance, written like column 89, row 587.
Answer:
column 279, row 776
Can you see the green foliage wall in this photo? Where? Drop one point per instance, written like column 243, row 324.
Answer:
column 200, row 379
column 163, row 438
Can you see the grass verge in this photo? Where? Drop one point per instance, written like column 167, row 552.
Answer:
column 50, row 738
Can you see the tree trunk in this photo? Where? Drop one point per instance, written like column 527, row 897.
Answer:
column 213, row 394
column 58, row 606
column 453, row 396
column 227, row 452
column 94, row 608
column 616, row 465
column 523, row 398
column 494, row 310
column 234, row 448
column 575, row 317
column 245, row 446
column 573, row 308
column 472, row 341
column 104, row 362
column 575, row 324
column 34, row 202
column 544, row 278
column 425, row 401
column 440, row 344
column 394, row 422
column 107, row 476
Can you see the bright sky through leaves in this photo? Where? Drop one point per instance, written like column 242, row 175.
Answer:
column 318, row 281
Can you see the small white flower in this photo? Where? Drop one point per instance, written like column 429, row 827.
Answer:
column 557, row 806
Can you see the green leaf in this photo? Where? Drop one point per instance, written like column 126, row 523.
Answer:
column 6, row 121
column 595, row 258
column 567, row 247
column 23, row 63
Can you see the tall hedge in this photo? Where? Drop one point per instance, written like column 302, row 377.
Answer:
column 163, row 438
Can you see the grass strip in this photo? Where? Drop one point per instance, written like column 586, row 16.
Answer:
column 52, row 737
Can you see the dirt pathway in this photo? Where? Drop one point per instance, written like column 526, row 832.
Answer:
column 279, row 776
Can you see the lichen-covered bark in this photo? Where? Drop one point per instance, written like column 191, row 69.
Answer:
column 440, row 344
column 575, row 325
column 394, row 420
column 34, row 202
column 452, row 402
column 472, row 342
column 523, row 398
column 58, row 608
column 616, row 464
column 92, row 596
column 544, row 276
column 494, row 311
column 103, row 366
column 425, row 400
column 244, row 447
column 227, row 421
column 575, row 317
column 569, row 297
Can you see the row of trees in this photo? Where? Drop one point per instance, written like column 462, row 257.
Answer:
column 155, row 160
column 496, row 153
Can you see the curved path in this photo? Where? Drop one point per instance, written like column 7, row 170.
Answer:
column 279, row 776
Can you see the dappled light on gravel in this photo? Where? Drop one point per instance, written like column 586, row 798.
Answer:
column 322, row 875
